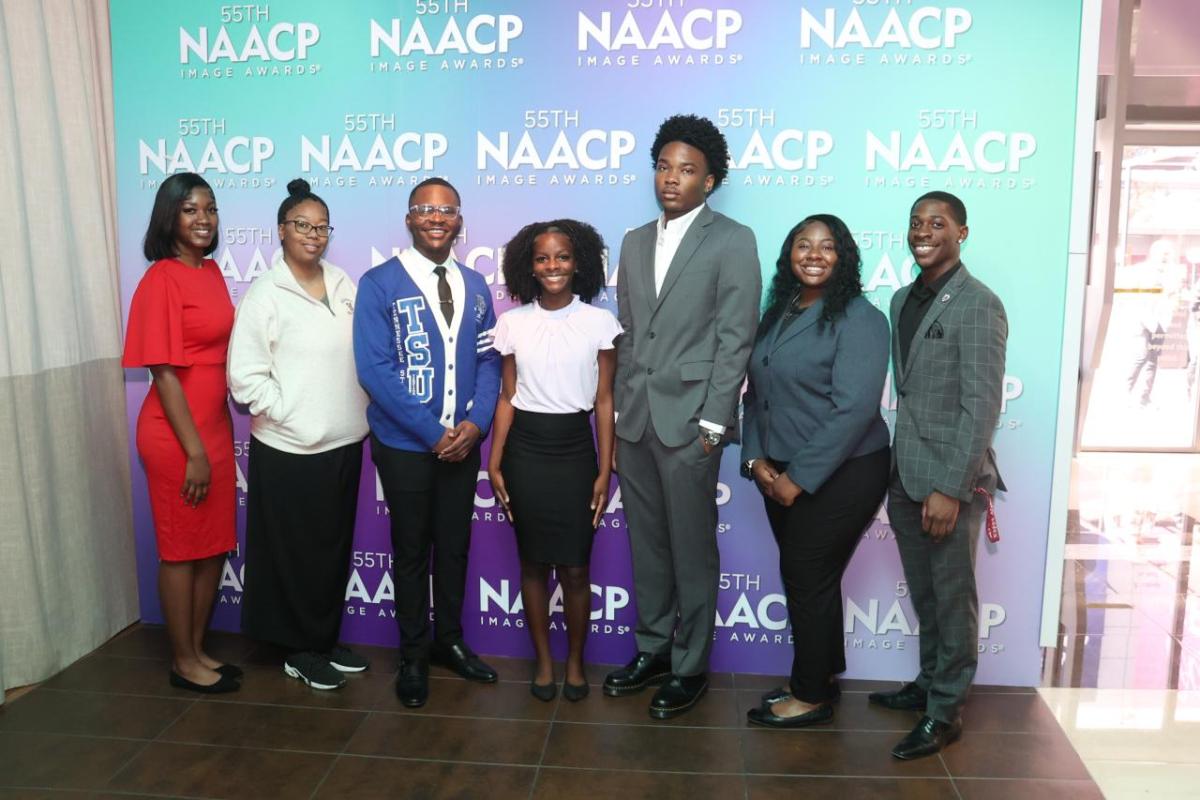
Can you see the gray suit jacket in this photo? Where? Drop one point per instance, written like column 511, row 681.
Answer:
column 683, row 355
column 949, row 392
column 813, row 399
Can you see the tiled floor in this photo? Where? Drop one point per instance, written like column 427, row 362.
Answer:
column 1122, row 701
column 1124, row 681
column 110, row 726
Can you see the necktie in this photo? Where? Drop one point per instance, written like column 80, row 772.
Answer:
column 445, row 299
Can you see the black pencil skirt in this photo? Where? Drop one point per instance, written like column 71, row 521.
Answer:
column 549, row 467
column 299, row 531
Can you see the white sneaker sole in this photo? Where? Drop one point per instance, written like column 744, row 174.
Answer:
column 344, row 668
column 292, row 672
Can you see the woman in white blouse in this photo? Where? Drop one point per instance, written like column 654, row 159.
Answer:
column 559, row 364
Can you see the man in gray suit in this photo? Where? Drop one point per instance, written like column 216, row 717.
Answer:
column 688, row 293
column 948, row 343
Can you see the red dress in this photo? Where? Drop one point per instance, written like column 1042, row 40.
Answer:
column 182, row 316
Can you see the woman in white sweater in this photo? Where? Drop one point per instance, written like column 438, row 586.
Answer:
column 291, row 362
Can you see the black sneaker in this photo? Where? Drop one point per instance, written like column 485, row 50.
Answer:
column 314, row 670
column 345, row 660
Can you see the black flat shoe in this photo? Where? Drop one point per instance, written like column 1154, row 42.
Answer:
column 780, row 693
column 544, row 691
column 776, row 695
column 678, row 695
column 230, row 671
column 927, row 738
column 574, row 693
column 225, row 684
column 763, row 715
column 461, row 659
column 644, row 670
column 909, row 697
column 412, row 684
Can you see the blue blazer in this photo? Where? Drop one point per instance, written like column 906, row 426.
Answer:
column 814, row 393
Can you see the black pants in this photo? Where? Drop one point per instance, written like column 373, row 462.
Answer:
column 430, row 503
column 300, row 513
column 1147, row 360
column 817, row 535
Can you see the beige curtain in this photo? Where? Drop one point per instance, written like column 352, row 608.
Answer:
column 67, row 573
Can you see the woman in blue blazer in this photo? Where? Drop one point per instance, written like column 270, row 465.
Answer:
column 815, row 444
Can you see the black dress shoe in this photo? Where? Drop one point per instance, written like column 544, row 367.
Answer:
column 927, row 738
column 678, row 695
column 765, row 716
column 575, row 692
column 461, row 659
column 909, row 697
column 412, row 684
column 230, row 671
column 644, row 670
column 225, row 684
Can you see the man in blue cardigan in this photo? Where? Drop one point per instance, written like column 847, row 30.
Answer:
column 423, row 350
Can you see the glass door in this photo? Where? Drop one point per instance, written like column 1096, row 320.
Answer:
column 1144, row 394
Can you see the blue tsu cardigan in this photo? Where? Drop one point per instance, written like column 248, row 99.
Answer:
column 401, row 360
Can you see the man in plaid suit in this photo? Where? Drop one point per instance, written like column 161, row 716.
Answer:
column 948, row 344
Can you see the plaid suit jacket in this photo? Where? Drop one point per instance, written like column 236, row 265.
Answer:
column 949, row 392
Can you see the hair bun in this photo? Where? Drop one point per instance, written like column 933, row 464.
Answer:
column 299, row 186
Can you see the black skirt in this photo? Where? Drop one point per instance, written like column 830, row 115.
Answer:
column 549, row 467
column 299, row 531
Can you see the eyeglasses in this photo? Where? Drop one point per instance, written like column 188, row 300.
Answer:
column 304, row 228
column 426, row 210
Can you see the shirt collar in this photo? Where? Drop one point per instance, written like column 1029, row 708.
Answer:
column 922, row 291
column 419, row 263
column 679, row 225
column 566, row 310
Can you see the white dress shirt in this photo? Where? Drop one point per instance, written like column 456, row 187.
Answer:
column 420, row 269
column 670, row 234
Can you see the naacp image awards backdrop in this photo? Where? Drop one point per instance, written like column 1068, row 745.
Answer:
column 537, row 110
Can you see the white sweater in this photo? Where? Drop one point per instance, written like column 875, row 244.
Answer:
column 291, row 360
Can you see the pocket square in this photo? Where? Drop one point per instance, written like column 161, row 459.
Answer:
column 935, row 331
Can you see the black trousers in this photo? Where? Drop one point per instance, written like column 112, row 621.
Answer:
column 1147, row 359
column 430, row 503
column 817, row 535
column 300, row 513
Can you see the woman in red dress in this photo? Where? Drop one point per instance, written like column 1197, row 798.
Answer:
column 179, row 324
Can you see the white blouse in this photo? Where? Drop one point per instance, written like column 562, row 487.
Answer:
column 556, row 353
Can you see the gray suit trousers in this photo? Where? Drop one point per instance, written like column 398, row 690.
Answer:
column 941, row 582
column 669, row 494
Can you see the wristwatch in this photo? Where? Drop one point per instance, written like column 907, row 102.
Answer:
column 710, row 438
column 748, row 467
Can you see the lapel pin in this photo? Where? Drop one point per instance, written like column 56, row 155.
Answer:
column 946, row 298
